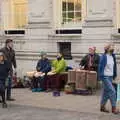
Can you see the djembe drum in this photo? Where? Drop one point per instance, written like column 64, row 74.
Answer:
column 80, row 79
column 91, row 79
column 71, row 76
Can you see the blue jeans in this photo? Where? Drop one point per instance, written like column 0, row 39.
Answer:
column 108, row 91
column 9, row 86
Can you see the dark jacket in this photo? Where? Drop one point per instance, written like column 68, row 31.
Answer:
column 43, row 65
column 9, row 56
column 4, row 70
column 85, row 62
column 102, row 64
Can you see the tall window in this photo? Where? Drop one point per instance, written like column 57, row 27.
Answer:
column 15, row 14
column 71, row 11
column 20, row 14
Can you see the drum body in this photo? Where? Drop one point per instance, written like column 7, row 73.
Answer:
column 81, row 79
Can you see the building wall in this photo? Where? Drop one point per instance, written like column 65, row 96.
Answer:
column 97, row 29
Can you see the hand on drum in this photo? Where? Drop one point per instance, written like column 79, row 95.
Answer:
column 38, row 74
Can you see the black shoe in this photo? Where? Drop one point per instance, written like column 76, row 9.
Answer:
column 0, row 101
column 10, row 99
column 4, row 105
column 103, row 109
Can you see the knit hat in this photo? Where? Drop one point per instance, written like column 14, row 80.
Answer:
column 43, row 53
column 91, row 48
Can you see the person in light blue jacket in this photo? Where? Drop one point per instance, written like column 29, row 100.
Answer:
column 108, row 72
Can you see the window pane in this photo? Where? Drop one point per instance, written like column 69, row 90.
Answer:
column 64, row 20
column 78, row 5
column 78, row 14
column 70, row 14
column 70, row 6
column 65, row 49
column 69, row 19
column 64, row 6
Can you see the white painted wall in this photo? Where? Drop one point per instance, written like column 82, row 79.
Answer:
column 40, row 34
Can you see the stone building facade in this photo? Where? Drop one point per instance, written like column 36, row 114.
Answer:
column 51, row 27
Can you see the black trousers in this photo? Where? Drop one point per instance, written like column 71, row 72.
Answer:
column 2, row 92
column 39, row 82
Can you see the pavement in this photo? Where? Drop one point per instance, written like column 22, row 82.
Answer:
column 43, row 106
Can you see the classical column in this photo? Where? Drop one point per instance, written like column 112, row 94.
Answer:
column 98, row 23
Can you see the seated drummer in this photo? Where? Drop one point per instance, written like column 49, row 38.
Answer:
column 59, row 66
column 43, row 66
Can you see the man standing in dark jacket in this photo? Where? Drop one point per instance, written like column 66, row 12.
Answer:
column 9, row 54
column 43, row 66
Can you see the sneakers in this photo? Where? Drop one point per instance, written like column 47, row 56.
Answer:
column 10, row 99
column 37, row 90
column 34, row 90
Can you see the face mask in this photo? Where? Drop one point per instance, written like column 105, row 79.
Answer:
column 59, row 58
column 111, row 51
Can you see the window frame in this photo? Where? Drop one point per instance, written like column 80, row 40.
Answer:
column 57, row 10
column 69, row 12
column 8, row 13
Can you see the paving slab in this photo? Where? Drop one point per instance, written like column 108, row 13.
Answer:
column 43, row 106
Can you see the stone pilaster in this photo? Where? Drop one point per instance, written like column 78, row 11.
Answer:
column 97, row 27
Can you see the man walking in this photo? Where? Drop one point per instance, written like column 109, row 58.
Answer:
column 107, row 73
column 9, row 54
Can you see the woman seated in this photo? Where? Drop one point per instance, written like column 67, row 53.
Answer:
column 43, row 67
column 59, row 66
